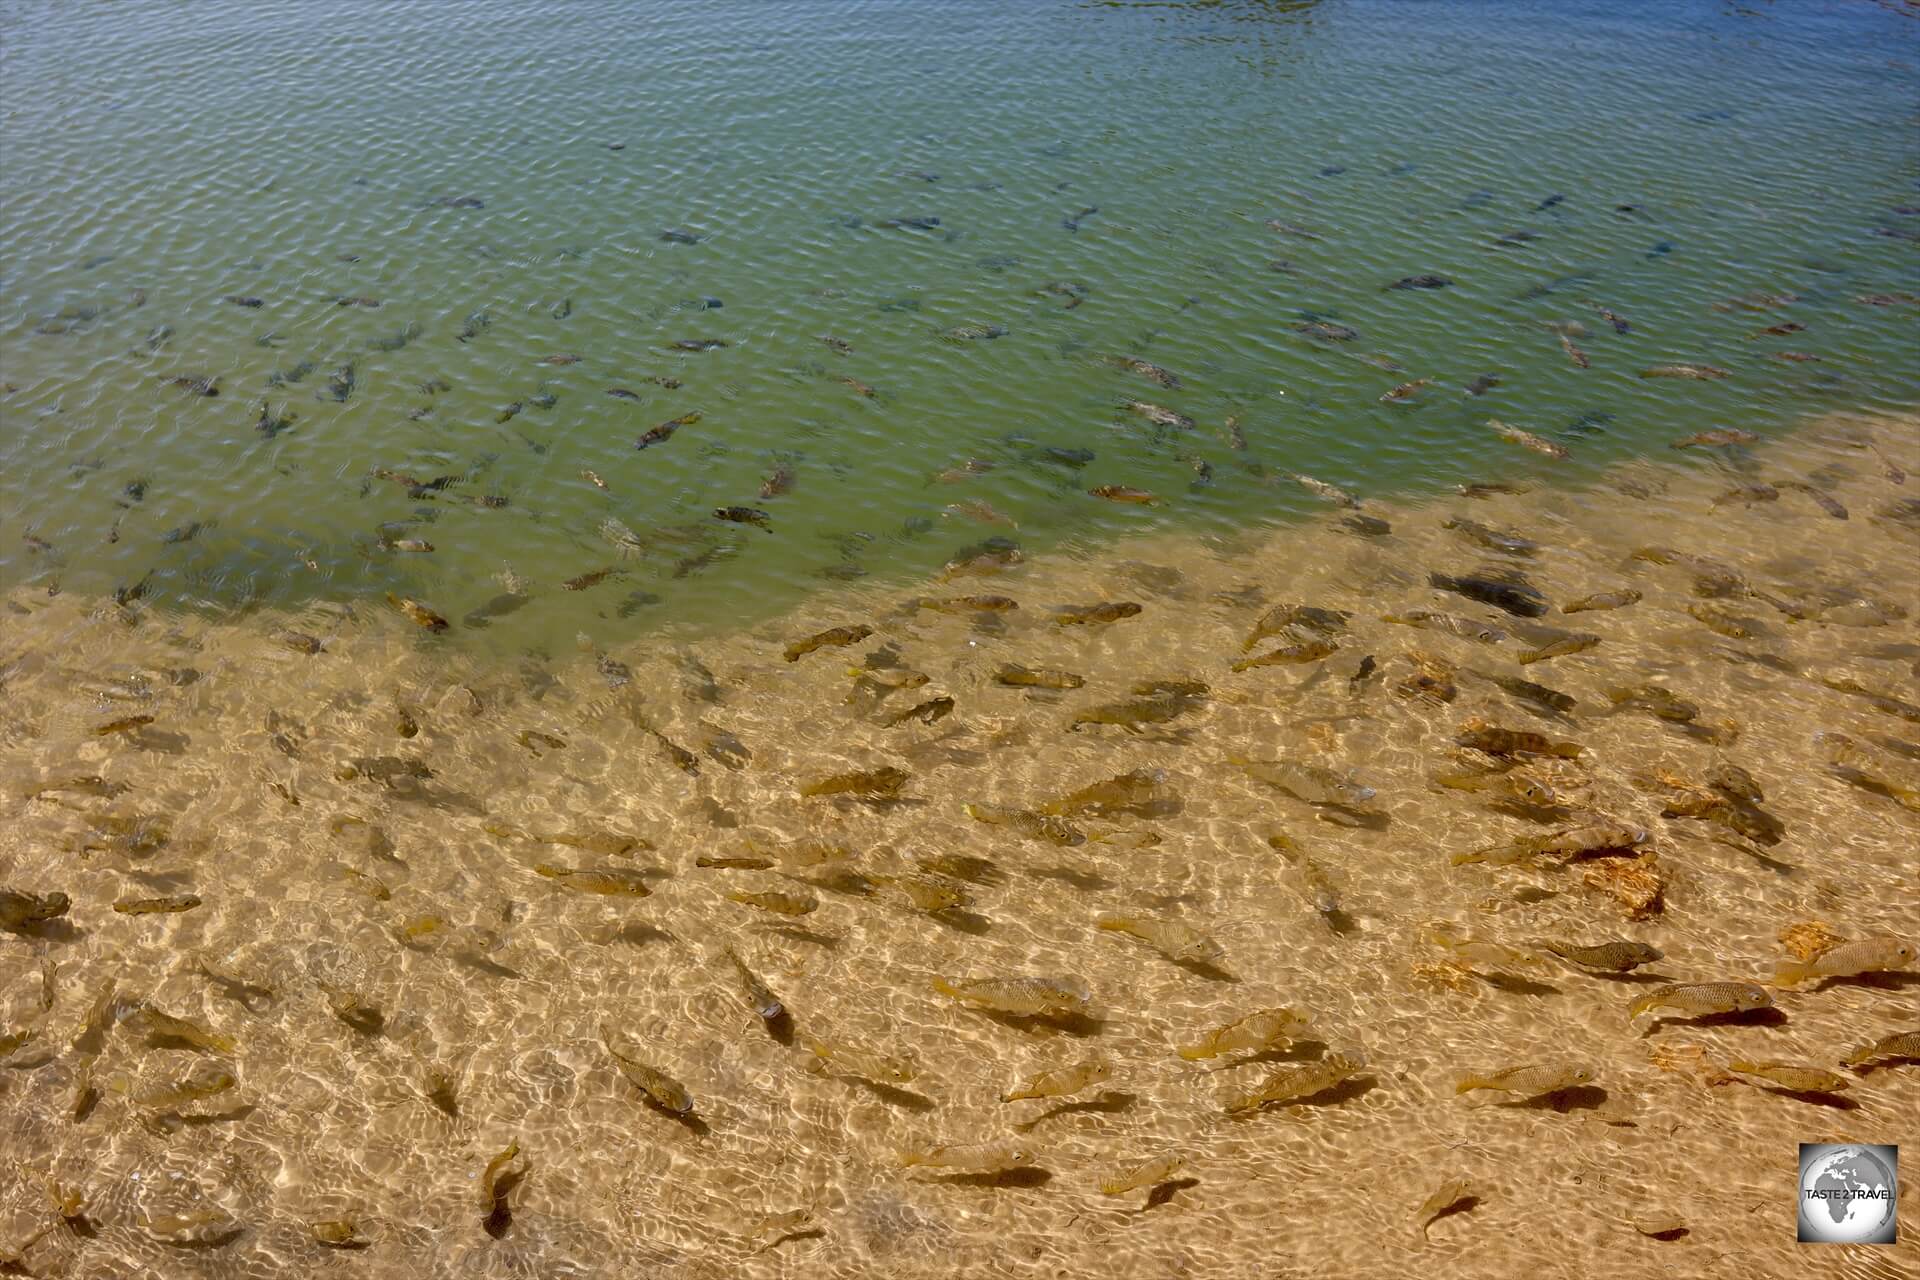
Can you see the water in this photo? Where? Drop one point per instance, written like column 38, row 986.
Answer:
column 251, row 150
column 351, row 815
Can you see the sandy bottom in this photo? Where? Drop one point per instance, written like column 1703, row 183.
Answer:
column 406, row 996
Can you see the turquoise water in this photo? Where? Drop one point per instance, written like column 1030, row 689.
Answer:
column 457, row 160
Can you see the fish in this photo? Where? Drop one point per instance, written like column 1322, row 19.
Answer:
column 239, row 300
column 1290, row 619
column 1466, row 628
column 406, row 544
column 340, row 384
column 884, row 782
column 975, row 332
column 1528, row 439
column 1419, row 282
column 1606, row 957
column 159, row 1028
column 1880, row 954
column 1493, row 539
column 990, row 556
column 1051, row 828
column 497, row 1181
column 745, row 515
column 1151, row 372
column 172, row 904
column 972, row 1157
column 169, row 1097
column 1296, row 1081
column 1327, row 331
column 1603, row 600
column 20, row 909
column 1072, row 223
column 124, row 724
column 1109, row 611
column 779, row 481
column 1560, row 646
column 928, row 712
column 1716, row 438
column 200, row 385
column 1305, row 651
column 1748, row 494
column 1483, row 384
column 1792, row 1077
column 1495, row 741
column 1143, row 792
column 857, row 1061
column 607, row 881
column 1332, row 493
column 1015, row 676
column 1514, row 596
column 1061, row 1082
column 765, row 1005
column 1821, row 498
column 1576, row 355
column 1569, row 843
column 1312, row 783
column 661, row 1089
column 1178, row 942
column 983, row 512
column 1256, row 1033
column 1901, row 1046
column 1455, row 1195
column 663, row 432
column 1130, row 715
column 1703, row 999
column 1147, row 1173
column 1405, row 391
column 1160, row 415
column 837, row 637
column 1121, row 493
column 966, row 604
column 418, row 613
column 1698, row 371
column 1289, row 229
column 1530, row 1081
column 785, row 904
column 1025, row 997
column 476, row 324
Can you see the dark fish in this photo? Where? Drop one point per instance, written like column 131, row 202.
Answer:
column 1073, row 223
column 200, row 386
column 910, row 224
column 563, row 359
column 477, row 323
column 1420, row 282
column 655, row 435
column 1327, row 331
column 457, row 202
column 975, row 332
column 1548, row 203
column 745, row 515
column 698, row 344
column 781, row 481
column 1483, row 384
column 561, row 309
column 271, row 424
column 592, row 578
column 356, row 302
column 1515, row 597
column 251, row 303
column 621, row 393
column 340, row 384
column 680, row 237
column 1618, row 322
column 396, row 340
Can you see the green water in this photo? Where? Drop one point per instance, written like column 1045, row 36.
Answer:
column 159, row 158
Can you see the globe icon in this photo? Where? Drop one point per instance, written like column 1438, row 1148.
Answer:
column 1847, row 1196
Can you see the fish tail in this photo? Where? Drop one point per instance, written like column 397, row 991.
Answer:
column 549, row 870
column 1469, row 1083
column 1792, row 973
column 946, row 988
column 1641, row 1005
column 1194, row 1052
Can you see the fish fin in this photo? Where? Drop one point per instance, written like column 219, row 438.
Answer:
column 1468, row 1083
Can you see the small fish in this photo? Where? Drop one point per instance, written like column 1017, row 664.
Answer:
column 1142, row 791
column 156, row 1027
column 1513, row 596
column 1026, row 997
column 1034, row 826
column 356, row 302
column 1305, row 651
column 663, row 432
column 1699, row 371
column 199, row 385
column 169, row 905
column 966, row 604
column 832, row 637
column 1575, row 354
column 125, row 724
column 1493, row 539
column 1109, row 611
column 858, row 387
column 1180, row 943
column 1821, row 498
column 418, row 613
column 1121, row 493
column 19, row 909
column 1331, row 492
column 745, row 515
column 1703, row 999
column 250, row 303
column 1312, row 783
column 1602, row 600
column 1531, row 1081
column 973, row 1157
column 1405, row 391
column 884, row 782
column 1793, row 1077
column 1867, row 955
column 1528, row 439
column 1419, row 282
column 1455, row 1195
column 606, row 881
column 766, row 1005
column 1327, row 331
column 1297, row 1081
column 1256, row 1033
column 975, row 332
column 861, row 1062
column 779, row 482
column 1061, row 1082
column 1901, row 1046
column 1483, row 384
column 785, row 904
column 1606, row 957
column 1015, row 676
column 1151, row 372
column 928, row 712
column 1495, row 741
column 565, row 358
column 661, row 1089
column 1161, row 415
column 1131, row 715
column 1148, row 1173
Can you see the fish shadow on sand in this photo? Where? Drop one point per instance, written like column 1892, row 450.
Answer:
column 1298, row 1051
column 793, row 1237
column 636, row 934
column 1579, row 1097
column 1815, row 1098
column 1359, row 819
column 1767, row 1017
column 56, row 930
column 1165, row 1191
column 968, row 922
column 1353, row 1087
column 1211, row 972
column 1006, row 1178
column 1884, row 980
column 1514, row 984
column 1644, row 979
column 1074, row 877
column 825, row 941
column 206, row 1244
column 1079, row 1025
column 1107, row 1103
column 1342, row 924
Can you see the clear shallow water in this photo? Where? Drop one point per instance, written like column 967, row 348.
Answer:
column 171, row 158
